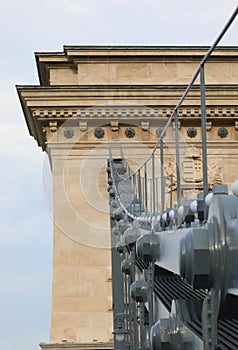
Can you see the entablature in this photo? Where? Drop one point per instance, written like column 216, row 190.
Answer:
column 50, row 107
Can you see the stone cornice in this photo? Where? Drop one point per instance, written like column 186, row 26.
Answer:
column 152, row 96
column 42, row 104
column 54, row 88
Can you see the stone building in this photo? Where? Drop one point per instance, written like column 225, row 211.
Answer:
column 80, row 113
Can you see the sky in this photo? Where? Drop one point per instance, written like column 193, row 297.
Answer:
column 29, row 26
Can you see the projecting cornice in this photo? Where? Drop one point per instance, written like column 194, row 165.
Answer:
column 133, row 83
column 135, row 95
column 135, row 104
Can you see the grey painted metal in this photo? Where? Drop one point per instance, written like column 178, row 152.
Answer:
column 143, row 191
column 134, row 185
column 117, row 278
column 195, row 258
column 156, row 195
column 223, row 280
column 146, row 193
column 134, row 305
column 139, row 191
column 142, row 326
column 151, row 294
column 131, row 181
column 153, row 183
column 170, row 242
column 117, row 287
column 126, row 294
column 204, row 135
column 130, row 303
column 151, row 201
column 162, row 190
column 177, row 158
column 171, row 191
column 210, row 254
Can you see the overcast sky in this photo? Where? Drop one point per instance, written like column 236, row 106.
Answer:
column 30, row 26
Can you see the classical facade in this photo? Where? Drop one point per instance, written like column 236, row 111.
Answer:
column 94, row 102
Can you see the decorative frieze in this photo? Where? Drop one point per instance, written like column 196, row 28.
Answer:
column 68, row 133
column 130, row 132
column 222, row 132
column 192, row 132
column 133, row 112
column 99, row 133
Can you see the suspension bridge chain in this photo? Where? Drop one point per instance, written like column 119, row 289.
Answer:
column 174, row 270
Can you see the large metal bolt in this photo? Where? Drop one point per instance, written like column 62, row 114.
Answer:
column 139, row 291
column 112, row 193
column 126, row 266
column 117, row 214
column 147, row 247
column 114, row 203
column 123, row 225
column 110, row 182
column 200, row 206
column 115, row 231
column 195, row 258
column 188, row 214
column 120, row 247
column 131, row 234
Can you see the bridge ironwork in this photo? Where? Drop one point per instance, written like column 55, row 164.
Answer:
column 178, row 257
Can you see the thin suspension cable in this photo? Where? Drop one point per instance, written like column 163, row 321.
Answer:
column 188, row 88
column 174, row 113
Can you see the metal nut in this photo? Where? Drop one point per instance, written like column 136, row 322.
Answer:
column 139, row 291
column 147, row 247
column 131, row 234
column 126, row 266
column 195, row 258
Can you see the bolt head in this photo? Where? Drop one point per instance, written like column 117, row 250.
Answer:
column 147, row 247
column 131, row 234
column 120, row 247
column 139, row 291
column 126, row 266
column 195, row 258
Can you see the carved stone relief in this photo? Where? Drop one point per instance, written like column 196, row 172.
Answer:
column 192, row 172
